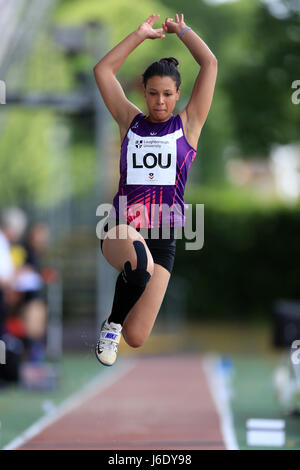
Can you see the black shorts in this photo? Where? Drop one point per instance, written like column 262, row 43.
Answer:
column 162, row 249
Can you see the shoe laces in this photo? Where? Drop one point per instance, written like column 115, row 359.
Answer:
column 109, row 343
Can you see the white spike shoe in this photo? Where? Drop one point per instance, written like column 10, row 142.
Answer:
column 107, row 346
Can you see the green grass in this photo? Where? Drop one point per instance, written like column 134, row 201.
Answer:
column 20, row 408
column 254, row 397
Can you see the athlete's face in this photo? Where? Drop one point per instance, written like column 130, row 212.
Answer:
column 161, row 96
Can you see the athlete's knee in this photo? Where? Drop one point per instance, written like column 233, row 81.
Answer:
column 139, row 276
column 134, row 338
column 136, row 343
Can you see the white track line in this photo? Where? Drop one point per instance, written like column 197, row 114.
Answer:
column 99, row 383
column 220, row 396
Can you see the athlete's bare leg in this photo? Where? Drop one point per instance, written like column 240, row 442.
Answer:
column 117, row 250
column 140, row 319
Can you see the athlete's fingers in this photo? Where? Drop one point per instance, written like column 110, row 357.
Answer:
column 181, row 18
column 148, row 19
column 160, row 33
column 177, row 18
column 153, row 19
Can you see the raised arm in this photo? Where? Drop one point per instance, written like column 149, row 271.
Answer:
column 122, row 110
column 199, row 104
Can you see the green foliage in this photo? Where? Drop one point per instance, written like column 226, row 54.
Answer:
column 82, row 156
column 35, row 168
column 260, row 85
column 47, row 68
column 29, row 170
column 32, row 168
column 232, row 199
column 119, row 20
column 249, row 258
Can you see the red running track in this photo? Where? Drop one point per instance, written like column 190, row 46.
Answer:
column 160, row 403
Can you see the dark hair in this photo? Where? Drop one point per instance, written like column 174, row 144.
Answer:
column 166, row 67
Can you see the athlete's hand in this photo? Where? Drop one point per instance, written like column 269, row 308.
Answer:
column 170, row 26
column 147, row 31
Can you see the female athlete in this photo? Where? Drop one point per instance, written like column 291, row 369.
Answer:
column 157, row 150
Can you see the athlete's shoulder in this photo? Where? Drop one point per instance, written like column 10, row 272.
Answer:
column 179, row 119
column 139, row 117
column 132, row 124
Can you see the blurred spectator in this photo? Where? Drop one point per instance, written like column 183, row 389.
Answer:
column 6, row 273
column 35, row 372
column 28, row 314
column 12, row 226
column 30, row 283
column 23, row 311
column 36, row 243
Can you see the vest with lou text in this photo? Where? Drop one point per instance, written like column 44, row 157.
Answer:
column 154, row 164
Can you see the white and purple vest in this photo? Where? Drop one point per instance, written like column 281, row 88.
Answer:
column 154, row 164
